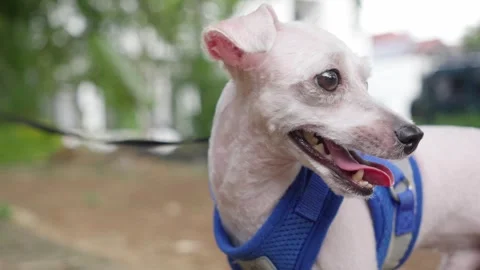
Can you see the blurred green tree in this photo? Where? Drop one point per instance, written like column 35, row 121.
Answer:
column 47, row 46
column 471, row 39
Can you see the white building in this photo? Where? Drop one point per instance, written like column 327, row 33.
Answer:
column 325, row 14
column 399, row 63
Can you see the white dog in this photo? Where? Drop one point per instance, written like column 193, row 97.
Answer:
column 297, row 102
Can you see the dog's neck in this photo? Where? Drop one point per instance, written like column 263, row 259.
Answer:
column 249, row 173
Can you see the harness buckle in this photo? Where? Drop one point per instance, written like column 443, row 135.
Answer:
column 394, row 193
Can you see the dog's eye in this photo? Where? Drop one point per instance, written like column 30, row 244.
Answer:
column 328, row 80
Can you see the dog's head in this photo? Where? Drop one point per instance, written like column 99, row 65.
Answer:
column 310, row 91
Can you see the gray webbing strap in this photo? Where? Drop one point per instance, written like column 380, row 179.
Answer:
column 261, row 263
column 399, row 244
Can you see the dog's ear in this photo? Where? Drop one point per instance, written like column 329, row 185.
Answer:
column 242, row 42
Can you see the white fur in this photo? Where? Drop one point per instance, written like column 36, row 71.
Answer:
column 252, row 161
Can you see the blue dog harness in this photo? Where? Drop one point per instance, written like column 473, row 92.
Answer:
column 292, row 236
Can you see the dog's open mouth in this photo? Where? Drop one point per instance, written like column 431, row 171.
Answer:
column 362, row 175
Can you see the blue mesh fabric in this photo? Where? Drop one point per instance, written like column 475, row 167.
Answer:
column 285, row 243
column 292, row 236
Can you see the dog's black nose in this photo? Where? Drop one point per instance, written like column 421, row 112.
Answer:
column 410, row 136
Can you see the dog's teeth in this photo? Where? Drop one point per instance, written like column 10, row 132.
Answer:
column 320, row 148
column 311, row 139
column 358, row 176
column 366, row 184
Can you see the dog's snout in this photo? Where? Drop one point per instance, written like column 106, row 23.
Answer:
column 410, row 135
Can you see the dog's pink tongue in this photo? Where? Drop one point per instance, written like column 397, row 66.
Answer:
column 378, row 175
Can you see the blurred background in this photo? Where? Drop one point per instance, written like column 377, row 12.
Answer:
column 134, row 68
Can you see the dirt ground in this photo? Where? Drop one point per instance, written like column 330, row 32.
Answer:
column 137, row 212
column 21, row 249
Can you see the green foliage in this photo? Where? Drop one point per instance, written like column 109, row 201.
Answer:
column 41, row 55
column 210, row 86
column 5, row 211
column 471, row 40
column 92, row 199
column 39, row 51
column 466, row 119
column 196, row 70
column 23, row 144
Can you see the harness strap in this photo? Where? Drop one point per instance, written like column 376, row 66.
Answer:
column 293, row 234
column 396, row 213
column 404, row 195
column 291, row 237
column 309, row 208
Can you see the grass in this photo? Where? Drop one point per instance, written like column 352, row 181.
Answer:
column 469, row 120
column 5, row 211
column 92, row 199
column 19, row 144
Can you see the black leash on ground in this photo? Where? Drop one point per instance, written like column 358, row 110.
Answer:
column 139, row 143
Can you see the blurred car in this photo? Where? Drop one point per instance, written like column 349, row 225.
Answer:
column 450, row 95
